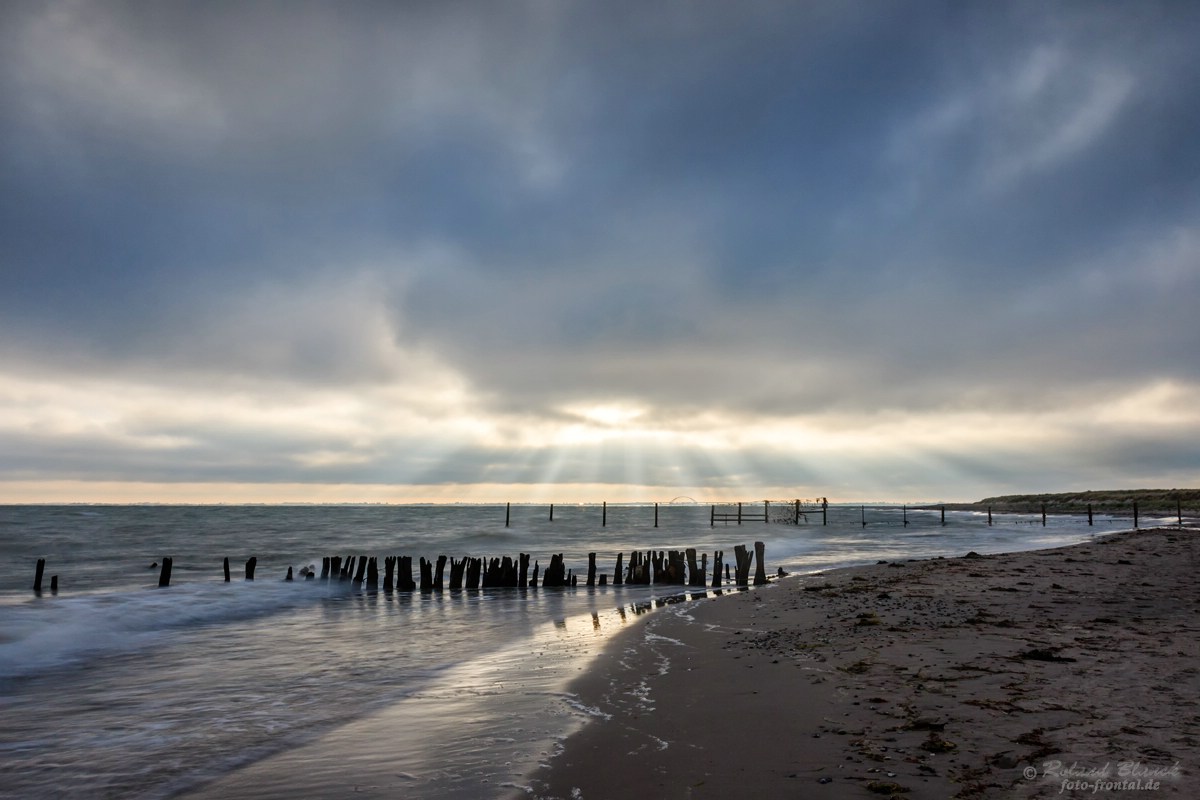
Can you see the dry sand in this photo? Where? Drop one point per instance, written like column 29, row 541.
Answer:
column 1052, row 673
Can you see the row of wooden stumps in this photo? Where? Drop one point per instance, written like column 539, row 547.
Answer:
column 670, row 567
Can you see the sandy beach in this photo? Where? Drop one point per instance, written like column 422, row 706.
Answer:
column 1065, row 672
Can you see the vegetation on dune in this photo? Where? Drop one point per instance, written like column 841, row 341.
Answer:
column 1149, row 501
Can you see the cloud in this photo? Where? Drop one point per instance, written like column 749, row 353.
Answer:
column 424, row 244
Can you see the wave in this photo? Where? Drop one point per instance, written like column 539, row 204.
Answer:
column 53, row 633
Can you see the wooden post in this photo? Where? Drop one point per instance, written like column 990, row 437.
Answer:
column 227, row 569
column 863, row 510
column 552, row 512
column 591, row 578
column 164, row 574
column 404, row 578
column 716, row 578
column 905, row 513
column 507, row 513
column 1135, row 514
column 426, row 575
column 989, row 516
column 250, row 565
column 943, row 515
column 739, row 513
column 656, row 515
column 37, row 575
column 372, row 573
column 533, row 581
column 766, row 510
column 712, row 515
column 824, row 510
column 618, row 575
column 695, row 576
column 457, row 568
column 760, row 569
column 1089, row 514
column 53, row 584
column 1179, row 511
column 742, row 554
column 439, row 573
column 289, row 576
column 603, row 518
column 1043, row 515
column 361, row 575
column 796, row 520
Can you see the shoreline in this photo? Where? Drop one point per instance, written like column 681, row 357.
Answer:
column 1042, row 673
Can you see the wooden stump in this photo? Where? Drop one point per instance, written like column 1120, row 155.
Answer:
column 617, row 576
column 523, row 578
column 695, row 576
column 717, row 558
column 372, row 573
column 457, row 569
column 361, row 575
column 37, row 575
column 591, row 576
column 439, row 571
column 250, row 565
column 227, row 570
column 164, row 574
column 760, row 569
column 744, row 560
column 289, row 575
column 426, row 575
column 404, row 578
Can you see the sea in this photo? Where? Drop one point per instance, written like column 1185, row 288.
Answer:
column 115, row 687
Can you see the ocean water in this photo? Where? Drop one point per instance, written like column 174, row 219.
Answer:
column 114, row 687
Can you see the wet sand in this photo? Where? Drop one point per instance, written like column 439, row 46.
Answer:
column 1065, row 672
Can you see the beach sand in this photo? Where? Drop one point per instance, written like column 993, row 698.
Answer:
column 1036, row 674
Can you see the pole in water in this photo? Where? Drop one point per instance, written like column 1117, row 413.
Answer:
column 1179, row 511
column 824, row 510
column 604, row 515
column 227, row 570
column 656, row 515
column 552, row 512
column 905, row 516
column 863, row 510
column 943, row 515
column 989, row 515
column 251, row 563
column 1135, row 516
column 1043, row 515
column 1089, row 513
column 507, row 513
column 164, row 575
column 37, row 575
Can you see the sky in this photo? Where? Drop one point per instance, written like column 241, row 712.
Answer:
column 557, row 251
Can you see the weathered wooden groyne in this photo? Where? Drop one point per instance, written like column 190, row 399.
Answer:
column 651, row 567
